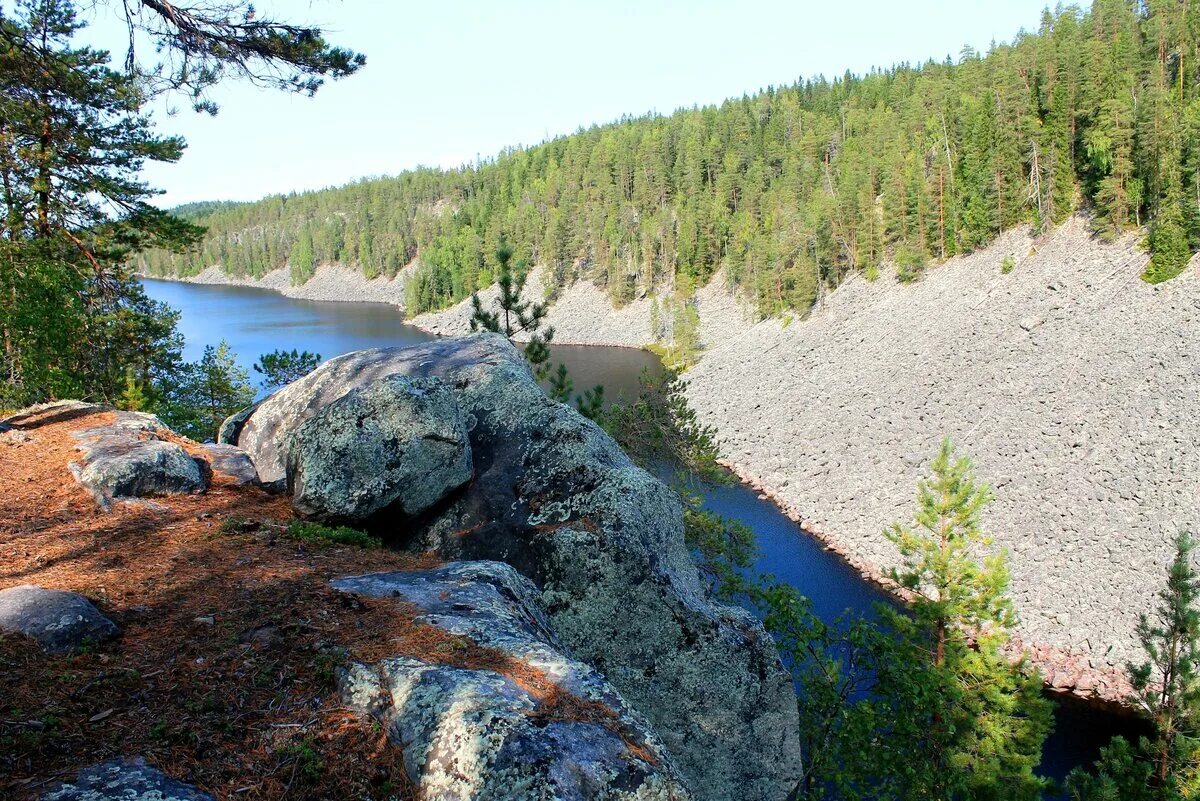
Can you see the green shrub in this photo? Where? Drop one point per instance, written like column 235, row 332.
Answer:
column 1008, row 264
column 341, row 535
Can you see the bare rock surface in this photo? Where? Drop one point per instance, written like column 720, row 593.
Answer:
column 232, row 462
column 124, row 780
column 398, row 444
column 478, row 734
column 1073, row 385
column 330, row 282
column 57, row 620
column 135, row 457
column 557, row 499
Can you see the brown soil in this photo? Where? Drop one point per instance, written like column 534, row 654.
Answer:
column 223, row 675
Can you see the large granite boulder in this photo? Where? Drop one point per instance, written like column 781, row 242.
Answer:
column 398, row 444
column 557, row 498
column 57, row 620
column 123, row 780
column 530, row 724
column 135, row 456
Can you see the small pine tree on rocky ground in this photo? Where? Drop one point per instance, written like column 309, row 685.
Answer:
column 1166, row 765
column 515, row 316
column 987, row 721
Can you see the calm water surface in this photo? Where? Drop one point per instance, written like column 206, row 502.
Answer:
column 256, row 321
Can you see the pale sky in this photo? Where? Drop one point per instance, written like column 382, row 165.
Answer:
column 448, row 81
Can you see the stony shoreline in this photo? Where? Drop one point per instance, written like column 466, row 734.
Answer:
column 1070, row 382
column 1062, row 671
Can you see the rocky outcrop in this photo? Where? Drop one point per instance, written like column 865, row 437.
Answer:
column 58, row 621
column 557, row 499
column 135, row 456
column 531, row 723
column 124, row 780
column 331, row 282
column 397, row 444
column 231, row 427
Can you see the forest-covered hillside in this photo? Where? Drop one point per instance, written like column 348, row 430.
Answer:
column 794, row 187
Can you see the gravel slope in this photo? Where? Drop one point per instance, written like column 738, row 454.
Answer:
column 580, row 315
column 329, row 282
column 1073, row 385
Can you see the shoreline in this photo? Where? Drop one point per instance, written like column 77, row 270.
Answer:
column 1064, row 672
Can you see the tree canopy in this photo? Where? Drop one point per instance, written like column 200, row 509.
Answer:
column 792, row 188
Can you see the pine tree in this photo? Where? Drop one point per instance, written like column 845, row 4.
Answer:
column 204, row 393
column 515, row 316
column 1165, row 766
column 133, row 398
column 280, row 367
column 72, row 140
column 989, row 721
column 1167, row 685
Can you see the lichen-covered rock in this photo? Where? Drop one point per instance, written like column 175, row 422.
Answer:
column 555, row 497
column 124, row 780
column 231, row 462
column 134, row 457
column 476, row 733
column 398, row 444
column 57, row 620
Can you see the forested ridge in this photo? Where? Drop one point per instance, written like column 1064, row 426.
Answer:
column 792, row 187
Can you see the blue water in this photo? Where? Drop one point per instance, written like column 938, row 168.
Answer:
column 256, row 321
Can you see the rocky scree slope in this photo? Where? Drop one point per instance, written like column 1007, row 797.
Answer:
column 1073, row 385
column 553, row 496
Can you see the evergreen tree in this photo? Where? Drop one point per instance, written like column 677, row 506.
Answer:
column 204, row 393
column 515, row 316
column 1167, row 685
column 72, row 141
column 1165, row 766
column 989, row 721
column 280, row 367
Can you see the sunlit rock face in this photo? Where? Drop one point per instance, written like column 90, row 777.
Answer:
column 521, row 720
column 556, row 498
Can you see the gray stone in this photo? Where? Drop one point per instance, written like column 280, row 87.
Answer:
column 887, row 370
column 398, row 444
column 134, row 458
column 476, row 733
column 124, row 780
column 57, row 620
column 231, row 428
column 232, row 462
column 555, row 497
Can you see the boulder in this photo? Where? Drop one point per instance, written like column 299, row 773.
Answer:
column 231, row 462
column 231, row 428
column 57, row 620
column 557, row 498
column 471, row 732
column 124, row 780
column 135, row 457
column 398, row 444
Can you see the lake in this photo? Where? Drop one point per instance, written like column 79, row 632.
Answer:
column 257, row 321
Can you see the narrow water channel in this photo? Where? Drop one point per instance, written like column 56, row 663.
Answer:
column 256, row 321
